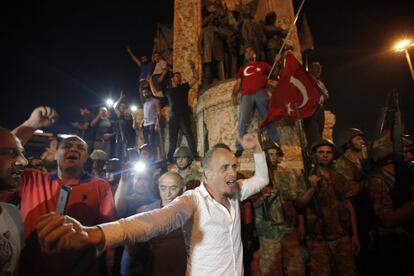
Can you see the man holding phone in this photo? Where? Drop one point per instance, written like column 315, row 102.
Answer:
column 91, row 200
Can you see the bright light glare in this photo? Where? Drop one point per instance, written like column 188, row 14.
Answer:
column 38, row 131
column 139, row 166
column 134, row 108
column 109, row 102
column 64, row 136
column 402, row 45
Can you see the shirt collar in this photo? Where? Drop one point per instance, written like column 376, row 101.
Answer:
column 203, row 190
column 86, row 177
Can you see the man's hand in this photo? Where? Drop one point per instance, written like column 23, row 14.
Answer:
column 57, row 233
column 356, row 246
column 42, row 117
column 234, row 99
column 250, row 141
column 300, row 230
column 121, row 95
column 314, row 179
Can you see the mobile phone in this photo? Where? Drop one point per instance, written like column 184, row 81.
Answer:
column 63, row 199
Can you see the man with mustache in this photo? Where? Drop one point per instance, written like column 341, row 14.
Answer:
column 209, row 217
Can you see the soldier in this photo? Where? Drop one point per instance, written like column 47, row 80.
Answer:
column 276, row 219
column 98, row 158
column 352, row 165
column 183, row 158
column 331, row 218
column 394, row 234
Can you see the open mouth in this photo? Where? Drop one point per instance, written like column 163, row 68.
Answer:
column 72, row 156
column 231, row 183
column 16, row 173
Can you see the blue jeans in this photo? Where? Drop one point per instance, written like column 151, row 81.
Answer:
column 259, row 99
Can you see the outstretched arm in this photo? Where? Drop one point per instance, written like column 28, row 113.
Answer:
column 116, row 104
column 57, row 236
column 134, row 57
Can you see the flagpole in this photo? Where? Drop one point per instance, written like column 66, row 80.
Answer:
column 286, row 38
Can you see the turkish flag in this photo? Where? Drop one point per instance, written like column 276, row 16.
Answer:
column 295, row 87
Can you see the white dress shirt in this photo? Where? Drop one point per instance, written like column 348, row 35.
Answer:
column 211, row 232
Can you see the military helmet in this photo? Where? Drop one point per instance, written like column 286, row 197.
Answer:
column 344, row 138
column 183, row 152
column 98, row 155
column 408, row 141
column 272, row 145
column 323, row 142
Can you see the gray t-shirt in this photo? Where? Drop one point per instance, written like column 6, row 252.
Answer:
column 11, row 238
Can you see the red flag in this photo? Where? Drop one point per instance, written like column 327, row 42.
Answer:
column 295, row 87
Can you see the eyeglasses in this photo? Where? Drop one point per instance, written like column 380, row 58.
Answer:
column 11, row 152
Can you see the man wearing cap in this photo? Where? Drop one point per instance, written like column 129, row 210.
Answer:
column 350, row 164
column 183, row 159
column 90, row 201
column 329, row 222
column 277, row 219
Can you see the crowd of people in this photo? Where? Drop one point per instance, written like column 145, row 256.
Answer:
column 135, row 209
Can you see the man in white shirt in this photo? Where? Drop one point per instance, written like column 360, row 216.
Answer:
column 208, row 215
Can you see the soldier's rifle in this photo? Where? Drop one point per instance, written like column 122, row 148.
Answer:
column 268, row 200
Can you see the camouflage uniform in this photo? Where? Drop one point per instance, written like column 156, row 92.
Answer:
column 191, row 176
column 352, row 169
column 279, row 246
column 330, row 197
column 393, row 245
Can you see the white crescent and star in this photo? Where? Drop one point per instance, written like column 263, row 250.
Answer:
column 246, row 73
column 302, row 89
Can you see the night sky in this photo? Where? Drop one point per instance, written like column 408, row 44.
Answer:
column 70, row 53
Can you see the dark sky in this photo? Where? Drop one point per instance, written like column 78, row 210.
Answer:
column 70, row 53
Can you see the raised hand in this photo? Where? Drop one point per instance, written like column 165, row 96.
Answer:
column 250, row 141
column 42, row 117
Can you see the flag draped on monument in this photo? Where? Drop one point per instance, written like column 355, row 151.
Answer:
column 296, row 87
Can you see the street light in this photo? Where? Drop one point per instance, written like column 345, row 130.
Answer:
column 403, row 46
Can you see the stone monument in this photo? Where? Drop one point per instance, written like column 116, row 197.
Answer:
column 215, row 116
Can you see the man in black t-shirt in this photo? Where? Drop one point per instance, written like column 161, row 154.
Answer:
column 180, row 113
